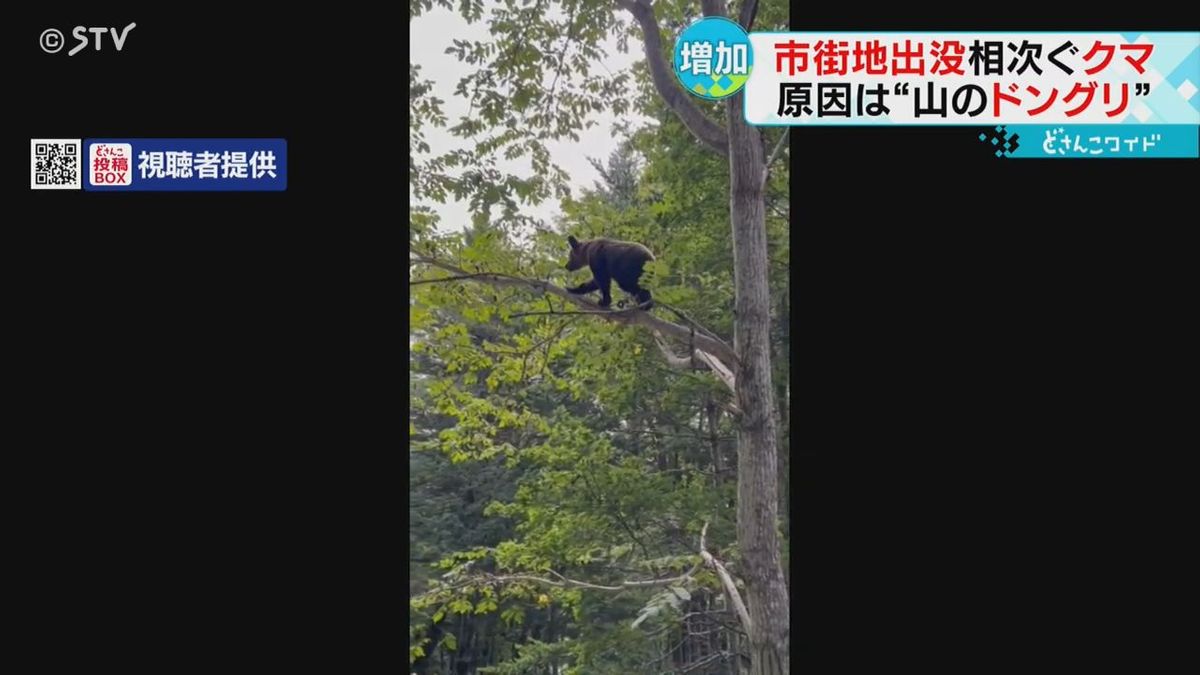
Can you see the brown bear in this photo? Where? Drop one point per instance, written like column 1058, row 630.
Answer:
column 610, row 260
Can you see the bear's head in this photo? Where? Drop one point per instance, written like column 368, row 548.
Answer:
column 578, row 259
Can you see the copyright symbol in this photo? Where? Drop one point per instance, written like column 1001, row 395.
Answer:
column 51, row 40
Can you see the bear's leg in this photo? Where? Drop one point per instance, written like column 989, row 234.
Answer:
column 643, row 298
column 605, row 284
column 584, row 288
column 641, row 295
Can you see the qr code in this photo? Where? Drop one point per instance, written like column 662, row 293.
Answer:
column 54, row 164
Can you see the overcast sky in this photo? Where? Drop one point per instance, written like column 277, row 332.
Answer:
column 430, row 35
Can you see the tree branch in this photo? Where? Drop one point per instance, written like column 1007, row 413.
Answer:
column 563, row 582
column 677, row 362
column 775, row 155
column 687, row 319
column 442, row 279
column 782, row 214
column 519, row 315
column 723, row 373
column 726, row 581
column 561, row 60
column 715, row 656
column 707, row 131
column 715, row 347
column 695, row 361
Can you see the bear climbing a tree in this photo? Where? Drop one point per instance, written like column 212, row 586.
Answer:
column 610, row 260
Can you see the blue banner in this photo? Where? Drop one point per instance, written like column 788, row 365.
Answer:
column 1105, row 141
column 185, row 164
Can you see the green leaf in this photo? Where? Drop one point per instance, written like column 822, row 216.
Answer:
column 618, row 551
column 513, row 616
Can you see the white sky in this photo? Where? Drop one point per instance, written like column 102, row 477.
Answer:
column 431, row 34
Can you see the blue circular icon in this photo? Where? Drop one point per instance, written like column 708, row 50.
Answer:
column 713, row 58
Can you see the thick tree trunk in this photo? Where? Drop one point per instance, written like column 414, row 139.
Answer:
column 758, row 505
column 785, row 446
column 758, row 489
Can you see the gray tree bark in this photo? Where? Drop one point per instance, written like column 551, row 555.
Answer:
column 758, row 479
column 758, row 469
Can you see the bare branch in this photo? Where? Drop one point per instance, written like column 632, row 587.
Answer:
column 719, row 369
column 553, row 313
column 688, row 320
column 561, row 60
column 717, row 348
column 730, row 408
column 709, row 132
column 590, row 311
column 678, row 362
column 726, row 581
column 563, row 582
column 441, row 279
column 698, row 360
column 715, row 656
column 782, row 214
column 667, row 434
column 775, row 155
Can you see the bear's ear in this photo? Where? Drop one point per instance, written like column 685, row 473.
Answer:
column 572, row 241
